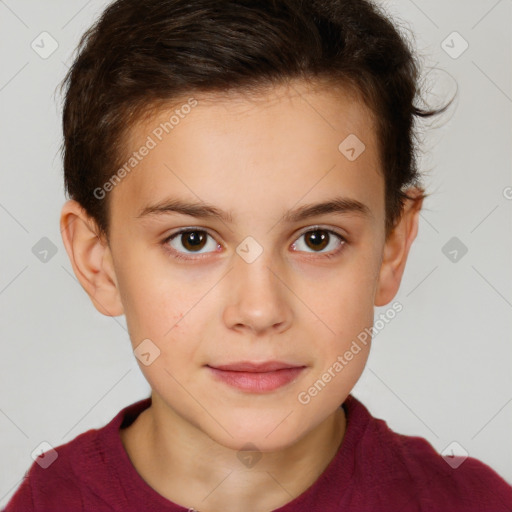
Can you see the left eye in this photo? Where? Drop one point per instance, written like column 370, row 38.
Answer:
column 318, row 239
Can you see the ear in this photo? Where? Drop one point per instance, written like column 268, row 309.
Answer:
column 396, row 249
column 90, row 258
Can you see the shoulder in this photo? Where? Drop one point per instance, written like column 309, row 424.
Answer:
column 451, row 483
column 52, row 479
column 411, row 470
column 76, row 475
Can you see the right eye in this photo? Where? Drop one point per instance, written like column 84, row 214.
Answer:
column 191, row 239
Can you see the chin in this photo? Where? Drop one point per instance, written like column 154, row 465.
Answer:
column 272, row 435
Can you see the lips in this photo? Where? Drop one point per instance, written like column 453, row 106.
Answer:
column 256, row 377
column 248, row 366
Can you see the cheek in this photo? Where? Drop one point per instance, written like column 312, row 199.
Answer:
column 346, row 307
column 176, row 335
column 152, row 307
column 345, row 302
column 163, row 312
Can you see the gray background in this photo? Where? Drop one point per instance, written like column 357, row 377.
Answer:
column 441, row 369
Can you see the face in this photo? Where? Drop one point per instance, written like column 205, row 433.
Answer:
column 251, row 272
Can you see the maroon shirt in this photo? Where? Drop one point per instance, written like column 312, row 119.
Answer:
column 374, row 470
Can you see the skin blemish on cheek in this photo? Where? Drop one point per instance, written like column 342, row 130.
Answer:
column 177, row 318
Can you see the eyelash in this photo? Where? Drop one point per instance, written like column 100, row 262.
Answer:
column 179, row 256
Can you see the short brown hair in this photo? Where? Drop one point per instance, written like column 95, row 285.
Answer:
column 144, row 53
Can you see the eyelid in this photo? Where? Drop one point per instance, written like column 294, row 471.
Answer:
column 187, row 229
column 315, row 227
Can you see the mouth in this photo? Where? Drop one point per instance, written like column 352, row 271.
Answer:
column 257, row 377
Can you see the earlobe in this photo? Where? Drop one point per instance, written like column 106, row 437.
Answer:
column 90, row 258
column 396, row 251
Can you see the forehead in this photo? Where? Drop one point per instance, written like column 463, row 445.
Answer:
column 285, row 141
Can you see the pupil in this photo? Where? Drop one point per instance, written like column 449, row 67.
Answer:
column 318, row 238
column 193, row 239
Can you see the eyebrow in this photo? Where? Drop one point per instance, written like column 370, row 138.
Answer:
column 337, row 205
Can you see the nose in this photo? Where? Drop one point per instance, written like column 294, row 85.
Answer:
column 258, row 299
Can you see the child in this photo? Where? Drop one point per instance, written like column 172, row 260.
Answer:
column 244, row 189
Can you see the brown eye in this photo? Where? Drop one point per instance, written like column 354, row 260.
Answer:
column 317, row 240
column 190, row 241
column 193, row 240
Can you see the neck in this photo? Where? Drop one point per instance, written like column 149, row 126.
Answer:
column 187, row 467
